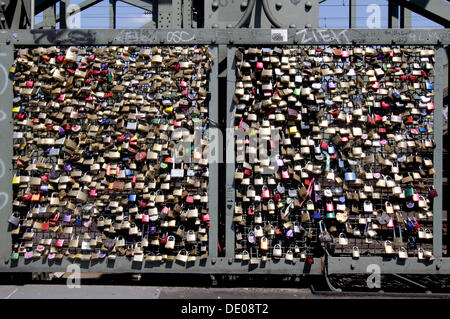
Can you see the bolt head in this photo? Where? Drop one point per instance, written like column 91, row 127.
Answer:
column 214, row 5
column 278, row 5
column 308, row 5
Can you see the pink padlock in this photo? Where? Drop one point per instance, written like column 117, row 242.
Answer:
column 265, row 192
column 390, row 224
column 415, row 197
column 93, row 192
column 190, row 199
column 285, row 174
column 330, row 207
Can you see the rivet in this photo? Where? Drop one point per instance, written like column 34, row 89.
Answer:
column 308, row 5
column 308, row 25
column 229, row 25
column 214, row 260
column 230, row 260
column 278, row 5
column 215, row 5
column 244, row 4
column 215, row 25
column 292, row 25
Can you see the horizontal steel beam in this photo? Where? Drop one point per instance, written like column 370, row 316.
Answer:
column 388, row 265
column 227, row 36
column 208, row 266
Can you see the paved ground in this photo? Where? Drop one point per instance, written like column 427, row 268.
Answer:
column 37, row 291
column 132, row 286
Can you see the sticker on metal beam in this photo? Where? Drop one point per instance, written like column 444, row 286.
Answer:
column 279, row 35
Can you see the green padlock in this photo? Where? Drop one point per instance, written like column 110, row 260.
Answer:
column 409, row 191
column 330, row 215
column 297, row 91
column 14, row 255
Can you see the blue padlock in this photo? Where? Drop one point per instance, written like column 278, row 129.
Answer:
column 350, row 176
column 429, row 85
column 331, row 149
column 410, row 224
column 152, row 229
column 422, row 129
column 132, row 197
column 78, row 221
column 128, row 172
column 342, row 199
column 317, row 215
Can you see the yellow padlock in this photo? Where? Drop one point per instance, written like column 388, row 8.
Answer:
column 169, row 109
column 16, row 109
column 16, row 180
column 293, row 130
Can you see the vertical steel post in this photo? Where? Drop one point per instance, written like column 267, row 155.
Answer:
column 62, row 13
column 352, row 14
column 112, row 14
column 6, row 145
column 393, row 15
column 187, row 14
column 32, row 14
column 230, row 159
column 213, row 183
column 438, row 155
column 49, row 21
column 405, row 18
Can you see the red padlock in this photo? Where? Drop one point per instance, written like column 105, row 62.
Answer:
column 432, row 192
column 250, row 211
column 140, row 156
column 142, row 203
column 277, row 197
column 45, row 226
column 205, row 217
